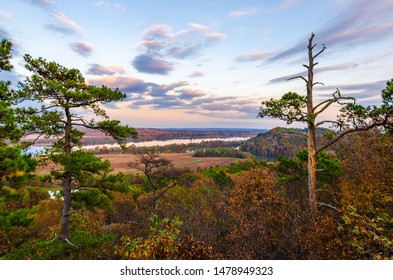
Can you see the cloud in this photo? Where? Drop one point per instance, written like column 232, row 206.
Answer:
column 358, row 90
column 4, row 34
column 4, row 15
column 253, row 56
column 63, row 24
column 127, row 84
column 162, row 90
column 11, row 76
column 197, row 73
column 82, row 48
column 214, row 37
column 151, row 64
column 100, row 70
column 336, row 67
column 16, row 47
column 252, row 11
column 231, row 107
column 42, row 3
column 362, row 22
column 189, row 93
column 178, row 96
column 160, row 44
column 244, row 12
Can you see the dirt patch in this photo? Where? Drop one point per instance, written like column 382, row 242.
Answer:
column 181, row 160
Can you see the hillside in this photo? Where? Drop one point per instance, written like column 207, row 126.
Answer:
column 278, row 141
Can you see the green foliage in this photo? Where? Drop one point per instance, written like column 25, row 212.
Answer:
column 159, row 245
column 14, row 198
column 81, row 164
column 12, row 160
column 240, row 166
column 19, row 217
column 369, row 236
column 219, row 176
column 290, row 108
column 13, row 163
column 62, row 93
column 220, row 152
column 118, row 132
column 296, row 169
column 92, row 245
column 5, row 55
column 91, row 199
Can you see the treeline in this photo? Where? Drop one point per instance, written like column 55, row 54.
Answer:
column 92, row 137
column 171, row 148
column 220, row 152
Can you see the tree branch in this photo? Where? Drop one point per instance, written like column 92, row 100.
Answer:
column 164, row 191
column 322, row 122
column 298, row 77
column 336, row 98
column 73, row 212
column 321, row 51
column 328, row 205
column 357, row 129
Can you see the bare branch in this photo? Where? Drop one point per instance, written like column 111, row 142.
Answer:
column 73, row 212
column 298, row 77
column 174, row 184
column 321, row 51
column 36, row 139
column 318, row 83
column 68, row 241
column 328, row 205
column 323, row 122
column 336, row 98
column 56, row 237
column 357, row 129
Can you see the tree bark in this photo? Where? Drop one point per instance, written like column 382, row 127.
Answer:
column 312, row 170
column 67, row 183
column 311, row 145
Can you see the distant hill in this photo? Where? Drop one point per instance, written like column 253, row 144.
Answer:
column 279, row 141
column 149, row 134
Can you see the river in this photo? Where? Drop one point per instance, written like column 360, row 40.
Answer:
column 40, row 149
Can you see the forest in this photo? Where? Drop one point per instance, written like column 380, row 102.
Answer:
column 325, row 197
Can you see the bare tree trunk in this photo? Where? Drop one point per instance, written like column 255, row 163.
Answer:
column 312, row 169
column 312, row 154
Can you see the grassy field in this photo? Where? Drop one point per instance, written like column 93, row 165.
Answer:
column 181, row 160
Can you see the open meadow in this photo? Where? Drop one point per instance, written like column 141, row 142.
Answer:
column 181, row 160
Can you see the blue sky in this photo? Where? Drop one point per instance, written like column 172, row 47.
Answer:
column 206, row 63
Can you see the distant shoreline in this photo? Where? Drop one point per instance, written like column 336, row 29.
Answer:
column 34, row 149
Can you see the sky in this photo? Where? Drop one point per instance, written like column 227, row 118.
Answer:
column 206, row 63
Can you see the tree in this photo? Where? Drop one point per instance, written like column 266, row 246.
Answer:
column 160, row 173
column 11, row 158
column 293, row 107
column 62, row 94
